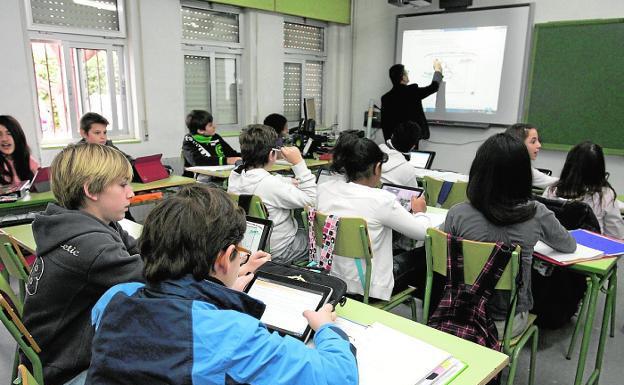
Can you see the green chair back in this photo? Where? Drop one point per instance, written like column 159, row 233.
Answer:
column 13, row 323
column 352, row 241
column 14, row 262
column 7, row 292
column 433, row 187
column 257, row 209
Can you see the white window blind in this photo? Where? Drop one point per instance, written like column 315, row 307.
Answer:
column 304, row 37
column 292, row 91
column 313, row 86
column 100, row 15
column 197, row 83
column 226, row 109
column 205, row 25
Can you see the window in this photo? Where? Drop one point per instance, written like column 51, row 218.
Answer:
column 78, row 73
column 213, row 50
column 303, row 69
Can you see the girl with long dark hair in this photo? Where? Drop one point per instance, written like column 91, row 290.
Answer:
column 16, row 163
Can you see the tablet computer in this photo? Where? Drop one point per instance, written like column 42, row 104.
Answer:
column 403, row 194
column 286, row 299
column 421, row 159
column 257, row 234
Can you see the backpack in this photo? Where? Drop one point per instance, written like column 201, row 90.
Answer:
column 462, row 309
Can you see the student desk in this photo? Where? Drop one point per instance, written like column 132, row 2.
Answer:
column 38, row 201
column 224, row 174
column 483, row 363
column 24, row 236
column 599, row 272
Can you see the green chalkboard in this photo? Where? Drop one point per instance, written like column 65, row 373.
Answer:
column 576, row 84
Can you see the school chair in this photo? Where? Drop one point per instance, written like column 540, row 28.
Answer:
column 25, row 377
column 475, row 255
column 12, row 299
column 25, row 342
column 252, row 204
column 353, row 241
column 14, row 262
column 444, row 194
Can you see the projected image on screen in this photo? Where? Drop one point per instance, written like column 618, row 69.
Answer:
column 472, row 60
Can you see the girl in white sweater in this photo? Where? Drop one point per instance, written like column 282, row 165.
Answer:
column 360, row 159
column 584, row 178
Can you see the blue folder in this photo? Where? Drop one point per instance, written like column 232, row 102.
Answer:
column 599, row 242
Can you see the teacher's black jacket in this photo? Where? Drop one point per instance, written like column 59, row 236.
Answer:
column 404, row 103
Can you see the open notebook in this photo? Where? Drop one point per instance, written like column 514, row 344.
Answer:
column 589, row 246
column 387, row 356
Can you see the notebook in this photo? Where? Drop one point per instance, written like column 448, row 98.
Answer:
column 582, row 253
column 387, row 356
column 149, row 169
column 609, row 246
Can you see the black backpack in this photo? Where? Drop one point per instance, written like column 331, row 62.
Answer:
column 556, row 297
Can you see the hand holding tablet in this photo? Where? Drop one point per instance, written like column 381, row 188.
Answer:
column 322, row 316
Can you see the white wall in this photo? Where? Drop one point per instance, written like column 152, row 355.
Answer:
column 374, row 29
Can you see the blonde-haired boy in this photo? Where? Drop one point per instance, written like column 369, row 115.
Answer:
column 81, row 252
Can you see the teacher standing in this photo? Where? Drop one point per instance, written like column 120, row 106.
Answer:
column 403, row 102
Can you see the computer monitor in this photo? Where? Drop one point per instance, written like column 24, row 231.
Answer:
column 309, row 116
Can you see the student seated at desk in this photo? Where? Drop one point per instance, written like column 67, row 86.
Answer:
column 500, row 208
column 190, row 324
column 361, row 160
column 584, row 178
column 93, row 130
column 280, row 195
column 397, row 170
column 280, row 125
column 528, row 134
column 81, row 253
column 16, row 163
column 202, row 146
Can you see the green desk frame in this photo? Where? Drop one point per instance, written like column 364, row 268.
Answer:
column 598, row 272
column 38, row 201
column 483, row 363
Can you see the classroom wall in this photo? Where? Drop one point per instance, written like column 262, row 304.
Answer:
column 374, row 24
column 157, row 74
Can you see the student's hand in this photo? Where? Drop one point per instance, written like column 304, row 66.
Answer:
column 419, row 205
column 292, row 154
column 437, row 65
column 232, row 159
column 256, row 260
column 242, row 281
column 323, row 316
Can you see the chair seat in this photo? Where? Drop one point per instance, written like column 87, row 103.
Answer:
column 531, row 319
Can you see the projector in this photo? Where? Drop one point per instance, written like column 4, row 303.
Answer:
column 410, row 3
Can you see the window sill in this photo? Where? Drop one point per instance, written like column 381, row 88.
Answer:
column 56, row 146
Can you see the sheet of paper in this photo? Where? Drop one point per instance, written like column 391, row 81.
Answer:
column 387, row 356
column 198, row 169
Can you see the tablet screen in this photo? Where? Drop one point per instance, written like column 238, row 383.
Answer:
column 403, row 194
column 419, row 159
column 253, row 236
column 285, row 302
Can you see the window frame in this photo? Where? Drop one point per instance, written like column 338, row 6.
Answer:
column 215, row 8
column 121, row 16
column 213, row 54
column 301, row 56
column 73, row 95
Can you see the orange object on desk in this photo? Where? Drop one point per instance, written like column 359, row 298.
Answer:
column 146, row 197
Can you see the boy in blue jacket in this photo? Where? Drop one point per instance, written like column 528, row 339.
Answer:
column 191, row 324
